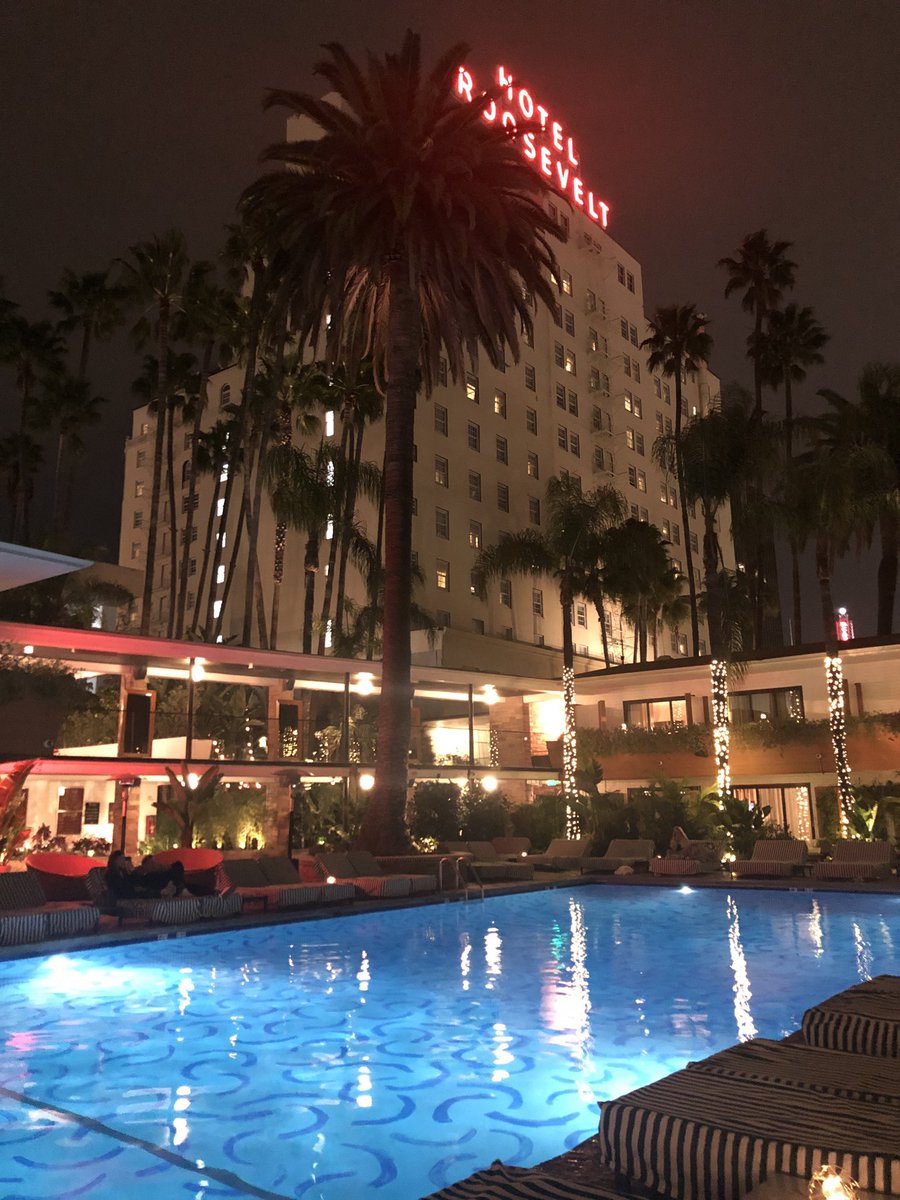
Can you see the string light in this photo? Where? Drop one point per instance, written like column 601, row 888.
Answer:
column 494, row 738
column 828, row 1183
column 721, row 731
column 834, row 682
column 570, row 754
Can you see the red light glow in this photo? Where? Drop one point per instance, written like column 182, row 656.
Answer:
column 550, row 148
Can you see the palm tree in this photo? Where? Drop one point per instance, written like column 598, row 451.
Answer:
column 154, row 280
column 565, row 550
column 91, row 304
column 791, row 341
column 74, row 408
column 214, row 453
column 21, row 457
column 413, row 226
column 637, row 573
column 678, row 344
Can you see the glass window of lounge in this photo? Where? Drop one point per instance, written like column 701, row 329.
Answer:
column 777, row 704
column 670, row 713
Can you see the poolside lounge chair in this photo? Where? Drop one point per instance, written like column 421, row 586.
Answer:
column 621, row 852
column 365, row 863
column 277, row 884
column 382, row 887
column 719, row 1127
column 157, row 910
column 26, row 915
column 702, row 857
column 563, row 854
column 864, row 1019
column 512, row 848
column 202, row 872
column 773, row 858
column 483, row 864
column 855, row 859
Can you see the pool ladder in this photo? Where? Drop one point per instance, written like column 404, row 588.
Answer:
column 454, row 861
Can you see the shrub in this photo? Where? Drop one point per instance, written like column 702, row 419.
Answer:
column 435, row 812
column 541, row 821
column 485, row 814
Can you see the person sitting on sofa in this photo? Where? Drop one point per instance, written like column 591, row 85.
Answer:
column 126, row 883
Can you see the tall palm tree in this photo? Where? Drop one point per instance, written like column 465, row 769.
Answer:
column 214, row 453
column 792, row 341
column 154, row 278
column 21, row 457
column 73, row 407
column 91, row 304
column 412, row 225
column 678, row 344
column 565, row 550
column 638, row 574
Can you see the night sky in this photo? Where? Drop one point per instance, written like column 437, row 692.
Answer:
column 699, row 121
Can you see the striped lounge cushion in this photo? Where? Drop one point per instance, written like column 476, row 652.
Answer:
column 69, row 920
column 521, row 1183
column 383, row 887
column 176, row 911
column 718, row 1128
column 220, row 906
column 18, row 928
column 302, row 894
column 862, row 1020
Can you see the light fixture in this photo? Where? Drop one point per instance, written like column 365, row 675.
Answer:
column 366, row 782
column 721, row 733
column 489, row 783
column 192, row 780
column 489, row 694
column 331, row 879
column 28, row 649
column 364, row 683
column 197, row 671
column 834, row 686
column 828, row 1183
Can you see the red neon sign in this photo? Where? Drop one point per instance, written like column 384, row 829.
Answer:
column 549, row 148
column 843, row 626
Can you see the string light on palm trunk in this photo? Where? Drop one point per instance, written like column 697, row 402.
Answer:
column 570, row 754
column 834, row 683
column 721, row 731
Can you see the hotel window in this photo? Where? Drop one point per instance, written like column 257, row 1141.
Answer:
column 632, row 476
column 472, row 388
column 562, row 437
column 564, row 223
column 506, row 593
column 561, row 395
column 192, row 568
column 473, row 435
column 657, row 386
column 531, row 420
column 666, row 530
column 641, row 481
column 663, row 493
column 557, row 315
column 139, row 488
column 502, row 451
column 570, row 323
column 598, row 459
column 644, row 515
column 575, row 445
column 639, row 443
column 442, row 617
column 442, row 523
column 500, row 403
column 537, row 602
column 477, row 625
column 441, row 420
column 415, row 506
column 673, row 497
column 474, row 485
column 554, row 213
column 633, row 511
column 629, row 281
column 570, row 361
column 441, row 471
column 529, row 377
column 559, row 354
column 141, row 459
column 145, row 428
column 185, row 472
column 593, row 340
column 667, row 394
column 528, row 335
column 629, row 438
column 626, row 366
column 581, row 615
column 534, row 510
column 135, row 549
column 329, row 423
column 594, row 379
column 566, row 283
column 442, row 371
column 693, row 541
column 668, row 424
column 676, row 534
column 590, row 302
column 573, row 403
column 620, row 273
column 659, row 423
column 138, row 520
column 224, row 395
column 532, row 467
column 442, row 574
column 636, row 370
column 656, row 714
column 632, row 335
column 623, row 328
column 633, row 404
column 475, row 536
column 503, row 497
column 778, row 704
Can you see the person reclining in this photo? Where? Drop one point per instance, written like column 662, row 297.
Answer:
column 126, row 883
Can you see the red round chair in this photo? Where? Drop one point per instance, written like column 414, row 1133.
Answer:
column 200, row 864
column 62, row 876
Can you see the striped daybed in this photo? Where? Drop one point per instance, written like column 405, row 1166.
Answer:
column 275, row 881
column 381, row 886
column 27, row 916
column 716, row 1129
column 697, row 858
column 365, row 863
column 499, row 1182
column 201, row 875
column 180, row 910
column 773, row 858
column 855, row 859
column 864, row 1019
column 621, row 852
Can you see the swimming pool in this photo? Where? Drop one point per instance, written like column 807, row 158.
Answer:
column 388, row 1054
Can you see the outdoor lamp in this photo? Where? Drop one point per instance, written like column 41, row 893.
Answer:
column 366, row 782
column 828, row 1183
column 489, row 783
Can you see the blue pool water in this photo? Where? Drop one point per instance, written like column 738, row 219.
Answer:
column 389, row 1054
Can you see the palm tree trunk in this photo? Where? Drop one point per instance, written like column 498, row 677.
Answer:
column 823, row 575
column 311, row 569
column 229, row 576
column 604, row 636
column 340, row 531
column 379, row 546
column 796, row 593
column 205, row 365
column 796, row 596
column 162, row 389
column 570, row 733
column 685, row 521
column 383, row 828
column 889, row 523
column 349, row 513
column 277, row 580
column 173, row 515
column 56, row 512
column 207, row 547
column 711, row 574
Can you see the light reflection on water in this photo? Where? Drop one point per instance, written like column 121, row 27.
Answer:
column 394, row 1053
